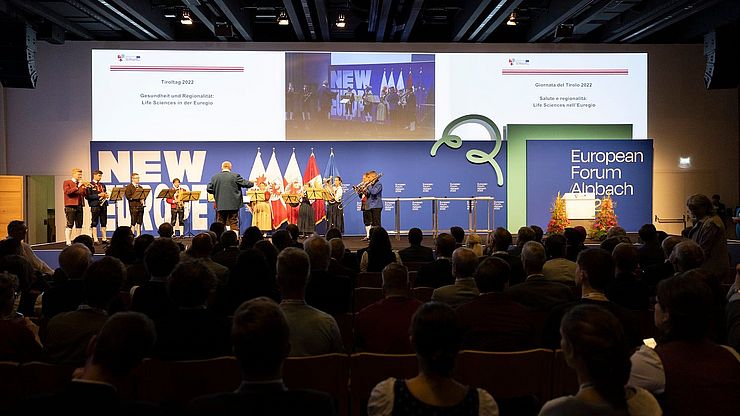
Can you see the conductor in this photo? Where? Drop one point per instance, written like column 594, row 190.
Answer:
column 226, row 189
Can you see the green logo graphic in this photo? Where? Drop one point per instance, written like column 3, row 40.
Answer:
column 473, row 155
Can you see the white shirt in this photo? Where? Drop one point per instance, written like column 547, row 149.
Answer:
column 338, row 193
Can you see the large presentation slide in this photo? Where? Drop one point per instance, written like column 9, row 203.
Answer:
column 195, row 95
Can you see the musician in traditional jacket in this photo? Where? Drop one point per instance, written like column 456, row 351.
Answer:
column 97, row 199
column 177, row 208
column 371, row 192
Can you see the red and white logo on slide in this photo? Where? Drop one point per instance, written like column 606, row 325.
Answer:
column 128, row 58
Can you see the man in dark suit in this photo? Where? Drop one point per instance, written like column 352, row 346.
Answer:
column 415, row 252
column 537, row 292
column 650, row 251
column 501, row 242
column 326, row 292
column 260, row 336
column 135, row 204
column 66, row 296
column 439, row 272
column 226, row 188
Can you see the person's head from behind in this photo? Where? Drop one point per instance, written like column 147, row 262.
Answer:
column 436, row 336
column 281, row 239
column 415, row 236
column 445, row 245
column 684, row 307
column 380, row 242
column 502, row 239
column 458, row 233
column 555, row 245
column 17, row 229
column 226, row 165
column 395, row 280
column 648, row 234
column 524, row 235
column 538, row 232
column 492, row 275
column 473, row 242
column 594, row 344
column 269, row 251
column 161, row 257
column 612, row 242
column 292, row 272
column 260, row 336
column 201, row 246
column 141, row 243
column 615, row 231
column 74, row 260
column 626, row 258
column 251, row 236
column 102, row 281
column 20, row 267
column 229, row 239
column 218, row 228
column 166, row 230
column 86, row 241
column 332, row 233
column 594, row 269
column 124, row 341
column 8, row 292
column 122, row 237
column 190, row 284
column 686, row 255
column 294, row 231
column 669, row 243
column 533, row 257
column 319, row 252
column 337, row 248
column 464, row 262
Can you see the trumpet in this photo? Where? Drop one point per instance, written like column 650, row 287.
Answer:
column 84, row 184
column 359, row 189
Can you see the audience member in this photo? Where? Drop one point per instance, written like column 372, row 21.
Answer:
column 493, row 321
column 459, row 235
column 312, row 332
column 86, row 241
column 294, row 232
column 415, row 252
column 464, row 263
column 165, row 230
column 270, row 252
column 473, row 242
column 122, row 245
column 732, row 311
column 17, row 231
column 595, row 346
column 524, row 235
column 151, row 298
column 688, row 372
column 616, row 231
column 326, row 292
column 30, row 284
column 558, row 268
column 250, row 237
column 575, row 238
column 439, row 272
column 218, row 228
column 67, row 295
column 594, row 273
column 436, row 336
column 538, row 233
column 653, row 274
column 383, row 327
column 537, row 292
column 68, row 333
column 136, row 273
column 192, row 331
column 201, row 249
column 709, row 232
column 500, row 248
column 650, row 252
column 281, row 239
column 686, row 255
column 336, row 265
column 626, row 289
column 112, row 355
column 611, row 242
column 261, row 339
column 379, row 252
column 229, row 252
column 18, row 342
column 349, row 259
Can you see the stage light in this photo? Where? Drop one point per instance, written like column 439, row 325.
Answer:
column 282, row 19
column 341, row 21
column 512, row 20
column 185, row 18
column 684, row 162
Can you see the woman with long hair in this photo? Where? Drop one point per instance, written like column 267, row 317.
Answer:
column 379, row 252
column 594, row 345
column 122, row 245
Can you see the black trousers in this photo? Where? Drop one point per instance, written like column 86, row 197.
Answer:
column 371, row 217
column 229, row 218
column 137, row 215
column 177, row 214
column 99, row 216
column 74, row 216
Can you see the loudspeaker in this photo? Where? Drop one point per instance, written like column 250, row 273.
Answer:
column 720, row 51
column 17, row 55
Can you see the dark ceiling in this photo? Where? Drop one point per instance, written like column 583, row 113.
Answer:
column 582, row 21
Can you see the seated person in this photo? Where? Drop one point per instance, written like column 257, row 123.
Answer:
column 439, row 272
column 557, row 268
column 464, row 262
column 626, row 289
column 537, row 292
column 324, row 291
column 18, row 342
column 436, row 336
column 499, row 244
column 415, row 252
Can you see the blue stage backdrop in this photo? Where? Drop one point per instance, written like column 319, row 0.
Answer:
column 409, row 171
column 621, row 168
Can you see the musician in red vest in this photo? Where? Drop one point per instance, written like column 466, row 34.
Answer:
column 74, row 195
column 177, row 208
column 97, row 199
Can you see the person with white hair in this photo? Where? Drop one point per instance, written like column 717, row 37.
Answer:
column 226, row 188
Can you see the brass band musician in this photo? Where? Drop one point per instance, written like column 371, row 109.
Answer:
column 371, row 192
column 334, row 211
column 177, row 208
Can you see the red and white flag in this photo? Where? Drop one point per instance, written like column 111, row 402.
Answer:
column 257, row 175
column 312, row 177
column 293, row 184
column 276, row 186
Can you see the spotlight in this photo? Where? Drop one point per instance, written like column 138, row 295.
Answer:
column 512, row 20
column 341, row 21
column 684, row 162
column 282, row 19
column 185, row 17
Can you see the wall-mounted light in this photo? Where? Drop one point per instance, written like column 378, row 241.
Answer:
column 684, row 162
column 282, row 18
column 512, row 20
column 185, row 18
column 341, row 21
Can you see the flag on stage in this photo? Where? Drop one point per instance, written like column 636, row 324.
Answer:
column 331, row 171
column 276, row 187
column 391, row 82
column 410, row 79
column 293, row 184
column 384, row 82
column 257, row 175
column 399, row 85
column 312, row 177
